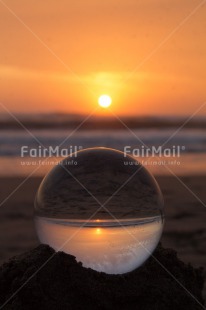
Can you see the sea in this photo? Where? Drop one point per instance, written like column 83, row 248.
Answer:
column 18, row 158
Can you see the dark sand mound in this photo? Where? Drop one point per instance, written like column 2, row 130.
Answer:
column 64, row 284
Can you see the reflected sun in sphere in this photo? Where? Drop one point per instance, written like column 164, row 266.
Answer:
column 104, row 101
column 98, row 231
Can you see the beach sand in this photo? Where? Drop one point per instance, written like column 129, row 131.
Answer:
column 65, row 284
column 185, row 217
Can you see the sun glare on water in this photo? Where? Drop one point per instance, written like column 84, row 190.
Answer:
column 105, row 101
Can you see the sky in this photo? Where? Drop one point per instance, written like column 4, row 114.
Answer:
column 60, row 56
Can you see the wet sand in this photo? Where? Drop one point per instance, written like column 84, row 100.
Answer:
column 185, row 217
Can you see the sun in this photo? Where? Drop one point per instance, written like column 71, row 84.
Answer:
column 105, row 101
column 98, row 231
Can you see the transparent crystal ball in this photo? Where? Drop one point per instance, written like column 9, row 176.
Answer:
column 103, row 207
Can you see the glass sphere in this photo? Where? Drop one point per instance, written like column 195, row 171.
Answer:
column 103, row 207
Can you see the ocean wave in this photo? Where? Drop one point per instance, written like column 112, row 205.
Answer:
column 193, row 141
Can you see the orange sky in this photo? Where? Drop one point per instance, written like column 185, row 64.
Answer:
column 102, row 43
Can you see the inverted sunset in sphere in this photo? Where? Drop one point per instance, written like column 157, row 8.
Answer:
column 105, row 101
column 113, row 233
